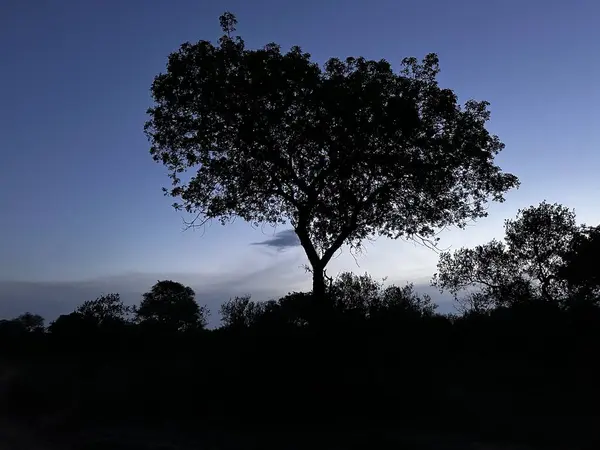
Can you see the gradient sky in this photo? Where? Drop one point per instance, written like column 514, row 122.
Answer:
column 81, row 198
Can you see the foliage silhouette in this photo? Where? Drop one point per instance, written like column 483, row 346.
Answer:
column 366, row 298
column 342, row 152
column 537, row 256
column 354, row 299
column 580, row 268
column 73, row 326
column 32, row 323
column 171, row 306
column 239, row 312
column 105, row 311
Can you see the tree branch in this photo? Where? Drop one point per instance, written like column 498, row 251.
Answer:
column 301, row 230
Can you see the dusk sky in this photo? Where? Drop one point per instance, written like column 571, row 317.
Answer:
column 82, row 210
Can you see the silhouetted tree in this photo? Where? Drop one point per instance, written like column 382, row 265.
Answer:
column 242, row 313
column 355, row 295
column 474, row 303
column 581, row 269
column 11, row 329
column 525, row 266
column 172, row 306
column 73, row 325
column 32, row 323
column 354, row 298
column 269, row 315
column 299, row 309
column 403, row 301
column 234, row 312
column 363, row 297
column 342, row 152
column 538, row 239
column 106, row 311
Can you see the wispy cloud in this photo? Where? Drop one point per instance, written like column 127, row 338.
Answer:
column 281, row 240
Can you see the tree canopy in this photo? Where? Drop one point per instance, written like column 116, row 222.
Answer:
column 23, row 324
column 355, row 298
column 32, row 323
column 343, row 151
column 172, row 305
column 105, row 311
column 581, row 270
column 542, row 255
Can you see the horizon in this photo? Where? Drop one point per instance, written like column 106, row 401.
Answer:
column 53, row 298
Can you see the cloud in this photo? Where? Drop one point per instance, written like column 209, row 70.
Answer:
column 281, row 240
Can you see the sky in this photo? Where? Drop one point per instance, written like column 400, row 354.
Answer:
column 81, row 207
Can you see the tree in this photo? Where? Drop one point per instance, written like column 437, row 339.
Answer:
column 11, row 329
column 403, row 301
column 581, row 269
column 295, row 309
column 21, row 325
column 355, row 295
column 526, row 265
column 239, row 312
column 32, row 323
column 172, row 305
column 362, row 297
column 342, row 152
column 486, row 273
column 105, row 311
column 72, row 325
column 538, row 240
column 298, row 309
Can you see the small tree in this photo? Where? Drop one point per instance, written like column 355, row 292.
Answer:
column 363, row 297
column 239, row 312
column 242, row 313
column 73, row 326
column 526, row 265
column 356, row 293
column 342, row 152
column 173, row 306
column 581, row 270
column 106, row 310
column 403, row 301
column 21, row 325
column 32, row 323
column 298, row 309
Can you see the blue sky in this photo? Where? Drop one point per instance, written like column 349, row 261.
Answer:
column 81, row 198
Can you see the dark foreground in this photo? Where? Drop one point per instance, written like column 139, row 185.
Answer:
column 369, row 369
column 17, row 437
column 432, row 383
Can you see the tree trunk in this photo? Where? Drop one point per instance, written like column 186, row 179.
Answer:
column 322, row 302
column 318, row 289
